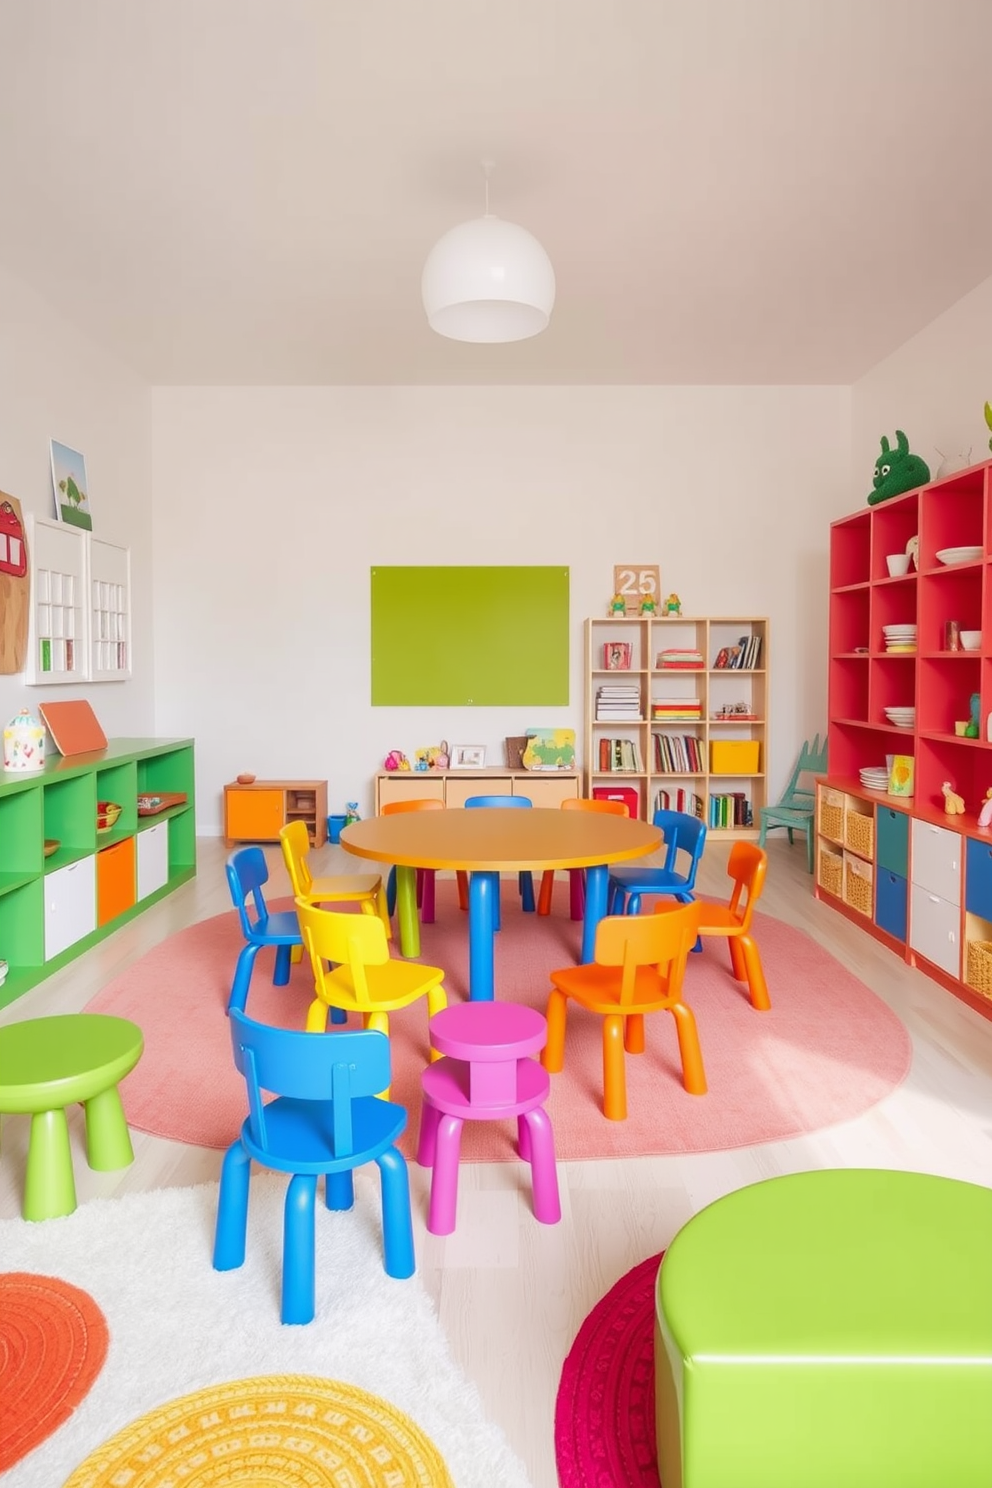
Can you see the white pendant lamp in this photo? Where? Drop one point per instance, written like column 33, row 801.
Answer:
column 488, row 280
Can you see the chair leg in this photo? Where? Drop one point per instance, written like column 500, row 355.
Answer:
column 791, row 836
column 339, row 1190
column 283, row 966
column 736, row 958
column 242, row 978
column 397, row 1222
column 299, row 1249
column 391, row 891
column 232, row 1209
column 543, row 1169
column 617, row 899
column 547, row 889
column 49, row 1184
column 428, row 909
column 553, row 1053
column 427, row 1141
column 633, row 1033
column 338, row 1015
column 382, row 910
column 317, row 1016
column 108, row 1141
column 763, row 831
column 693, row 1074
column 525, row 883
column 576, row 893
column 437, row 1001
column 633, row 904
column 754, row 975
column 462, row 881
column 614, row 1078
column 443, row 1206
column 809, row 846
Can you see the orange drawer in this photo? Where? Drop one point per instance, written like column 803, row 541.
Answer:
column 115, row 879
column 253, row 815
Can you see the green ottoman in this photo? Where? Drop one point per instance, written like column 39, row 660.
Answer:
column 47, row 1064
column 829, row 1330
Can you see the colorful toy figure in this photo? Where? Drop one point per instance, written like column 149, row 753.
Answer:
column 974, row 728
column 953, row 803
column 897, row 471
column 396, row 760
column 985, row 815
column 618, row 605
column 673, row 605
column 648, row 605
column 351, row 813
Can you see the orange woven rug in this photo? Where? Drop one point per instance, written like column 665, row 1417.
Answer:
column 53, row 1341
column 828, row 1050
column 286, row 1431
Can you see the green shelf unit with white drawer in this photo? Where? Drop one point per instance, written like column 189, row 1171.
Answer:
column 48, row 903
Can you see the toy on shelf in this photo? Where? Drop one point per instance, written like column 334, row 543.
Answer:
column 672, row 605
column 647, row 605
column 985, row 815
column 953, row 803
column 988, row 420
column 351, row 813
column 897, row 471
column 973, row 729
column 618, row 606
column 396, row 760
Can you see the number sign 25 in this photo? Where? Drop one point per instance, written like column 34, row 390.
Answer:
column 636, row 582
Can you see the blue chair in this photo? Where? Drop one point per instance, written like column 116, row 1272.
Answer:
column 682, row 834
column 247, row 871
column 326, row 1119
column 525, row 880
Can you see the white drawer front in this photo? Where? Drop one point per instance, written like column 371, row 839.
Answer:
column 936, row 861
column 934, row 929
column 70, row 905
column 153, row 859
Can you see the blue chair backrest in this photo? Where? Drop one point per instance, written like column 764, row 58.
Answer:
column 328, row 1068
column 247, row 871
column 498, row 801
column 682, row 833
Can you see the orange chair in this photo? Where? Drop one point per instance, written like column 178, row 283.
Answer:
column 576, row 876
column 746, row 866
column 639, row 966
column 425, row 876
column 365, row 889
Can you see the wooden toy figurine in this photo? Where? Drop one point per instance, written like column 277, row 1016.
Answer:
column 673, row 605
column 953, row 803
column 648, row 605
column 985, row 815
column 618, row 605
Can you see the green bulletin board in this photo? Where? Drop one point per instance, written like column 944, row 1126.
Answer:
column 470, row 637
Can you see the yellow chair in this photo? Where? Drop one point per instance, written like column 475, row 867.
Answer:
column 576, row 876
column 363, row 888
column 639, row 966
column 363, row 978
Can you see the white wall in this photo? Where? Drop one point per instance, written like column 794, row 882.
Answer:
column 272, row 504
column 57, row 383
column 933, row 387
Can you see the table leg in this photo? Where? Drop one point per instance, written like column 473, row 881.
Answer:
column 49, row 1187
column 483, row 897
column 597, row 881
column 406, row 910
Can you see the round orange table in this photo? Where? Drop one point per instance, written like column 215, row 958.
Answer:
column 485, row 844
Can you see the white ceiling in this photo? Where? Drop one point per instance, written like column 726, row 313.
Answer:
column 731, row 191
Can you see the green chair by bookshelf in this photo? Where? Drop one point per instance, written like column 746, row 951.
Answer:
column 794, row 809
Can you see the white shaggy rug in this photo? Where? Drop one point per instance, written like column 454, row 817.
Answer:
column 176, row 1325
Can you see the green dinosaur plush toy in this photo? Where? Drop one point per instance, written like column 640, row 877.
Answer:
column 897, row 471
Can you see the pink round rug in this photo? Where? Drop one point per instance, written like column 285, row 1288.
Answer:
column 604, row 1412
column 827, row 1051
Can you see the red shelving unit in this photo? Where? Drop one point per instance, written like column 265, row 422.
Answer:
column 953, row 905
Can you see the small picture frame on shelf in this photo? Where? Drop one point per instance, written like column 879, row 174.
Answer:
column 468, row 757
column 616, row 656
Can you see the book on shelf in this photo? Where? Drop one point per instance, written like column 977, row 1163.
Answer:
column 678, row 754
column 679, row 658
column 744, row 657
column 730, row 809
column 679, row 799
column 620, row 703
column 620, row 755
column 616, row 656
column 676, row 710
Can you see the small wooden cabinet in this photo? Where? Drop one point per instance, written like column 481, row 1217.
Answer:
column 453, row 787
column 256, row 812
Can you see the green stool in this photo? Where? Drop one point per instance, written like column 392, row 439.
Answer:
column 829, row 1330
column 45, row 1065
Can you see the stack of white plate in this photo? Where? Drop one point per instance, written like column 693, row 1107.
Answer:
column 959, row 555
column 901, row 717
column 874, row 777
column 899, row 637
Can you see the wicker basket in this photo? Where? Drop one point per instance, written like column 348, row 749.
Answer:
column 831, row 822
column 831, row 875
column 859, row 832
column 979, row 975
column 857, row 884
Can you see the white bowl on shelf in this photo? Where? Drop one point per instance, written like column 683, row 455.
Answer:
column 959, row 555
column 971, row 640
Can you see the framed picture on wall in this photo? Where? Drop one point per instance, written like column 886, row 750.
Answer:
column 69, row 484
column 468, row 757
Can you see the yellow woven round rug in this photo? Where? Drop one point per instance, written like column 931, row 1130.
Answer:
column 277, row 1431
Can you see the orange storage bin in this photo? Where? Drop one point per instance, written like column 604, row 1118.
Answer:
column 115, row 880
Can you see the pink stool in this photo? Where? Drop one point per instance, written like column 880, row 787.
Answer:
column 487, row 1074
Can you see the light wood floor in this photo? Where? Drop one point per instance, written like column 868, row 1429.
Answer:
column 511, row 1293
